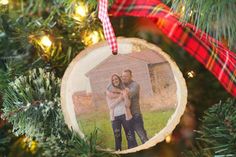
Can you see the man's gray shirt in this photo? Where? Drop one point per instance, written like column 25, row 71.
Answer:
column 134, row 89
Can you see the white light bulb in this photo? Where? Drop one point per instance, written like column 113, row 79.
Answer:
column 46, row 41
column 80, row 10
column 191, row 74
column 168, row 139
column 4, row 2
column 190, row 14
column 94, row 37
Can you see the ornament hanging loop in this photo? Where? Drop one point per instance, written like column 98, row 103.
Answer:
column 107, row 27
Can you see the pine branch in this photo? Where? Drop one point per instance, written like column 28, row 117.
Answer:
column 70, row 144
column 20, row 97
column 31, row 104
column 5, row 138
column 199, row 151
column 20, row 35
column 217, row 136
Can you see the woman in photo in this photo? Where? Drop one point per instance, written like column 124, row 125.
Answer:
column 120, row 115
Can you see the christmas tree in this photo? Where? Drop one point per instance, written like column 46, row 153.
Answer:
column 38, row 39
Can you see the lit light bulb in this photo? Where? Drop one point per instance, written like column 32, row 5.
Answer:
column 90, row 38
column 80, row 10
column 94, row 36
column 25, row 139
column 191, row 74
column 46, row 41
column 4, row 2
column 168, row 139
column 183, row 9
column 33, row 146
column 190, row 14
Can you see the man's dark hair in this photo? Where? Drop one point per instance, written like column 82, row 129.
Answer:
column 129, row 71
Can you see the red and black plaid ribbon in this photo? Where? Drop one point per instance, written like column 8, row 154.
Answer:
column 211, row 53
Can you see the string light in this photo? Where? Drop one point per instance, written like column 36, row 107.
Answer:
column 94, row 37
column 168, row 139
column 33, row 146
column 29, row 144
column 46, row 41
column 4, row 2
column 46, row 45
column 190, row 14
column 183, row 9
column 191, row 74
column 80, row 12
column 91, row 38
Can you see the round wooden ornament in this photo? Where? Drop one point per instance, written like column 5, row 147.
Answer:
column 135, row 99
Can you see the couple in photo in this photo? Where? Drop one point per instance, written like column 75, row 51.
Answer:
column 122, row 95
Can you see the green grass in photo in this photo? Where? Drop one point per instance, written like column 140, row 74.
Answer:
column 154, row 121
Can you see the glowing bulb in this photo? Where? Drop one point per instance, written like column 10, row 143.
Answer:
column 168, row 139
column 46, row 41
column 190, row 14
column 94, row 36
column 4, row 2
column 183, row 9
column 191, row 74
column 25, row 139
column 80, row 10
column 33, row 146
column 91, row 38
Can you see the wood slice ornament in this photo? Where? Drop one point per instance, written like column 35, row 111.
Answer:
column 162, row 94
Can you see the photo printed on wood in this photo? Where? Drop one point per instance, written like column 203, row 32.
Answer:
column 134, row 99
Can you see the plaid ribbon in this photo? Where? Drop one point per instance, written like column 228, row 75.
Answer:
column 208, row 51
column 107, row 27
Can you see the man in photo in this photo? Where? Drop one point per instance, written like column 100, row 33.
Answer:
column 134, row 93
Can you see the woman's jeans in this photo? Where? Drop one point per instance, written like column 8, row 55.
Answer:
column 129, row 132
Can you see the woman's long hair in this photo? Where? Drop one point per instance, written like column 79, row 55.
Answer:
column 121, row 85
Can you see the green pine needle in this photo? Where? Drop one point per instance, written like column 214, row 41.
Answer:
column 217, row 135
column 31, row 103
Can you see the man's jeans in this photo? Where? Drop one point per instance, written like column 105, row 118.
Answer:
column 139, row 127
column 129, row 132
